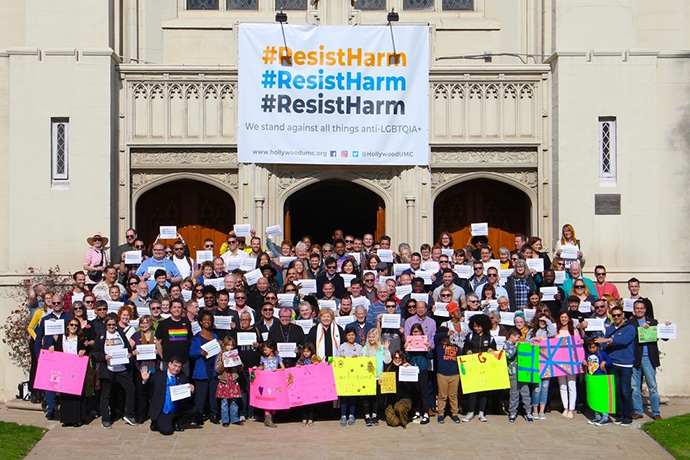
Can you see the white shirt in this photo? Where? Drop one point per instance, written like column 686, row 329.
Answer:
column 184, row 268
column 238, row 255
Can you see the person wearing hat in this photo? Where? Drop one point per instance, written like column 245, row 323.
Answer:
column 96, row 259
column 456, row 323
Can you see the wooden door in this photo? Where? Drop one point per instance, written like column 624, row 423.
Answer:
column 505, row 208
column 198, row 210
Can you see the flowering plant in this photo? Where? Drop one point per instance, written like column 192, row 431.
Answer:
column 15, row 333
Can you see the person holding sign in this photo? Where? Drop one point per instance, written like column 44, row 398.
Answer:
column 568, row 239
column 398, row 405
column 270, row 361
column 567, row 383
column 422, row 360
column 597, row 363
column 619, row 343
column 646, row 362
column 109, row 342
column 144, row 337
column 479, row 341
column 349, row 349
column 283, row 331
column 448, row 375
column 72, row 407
column 168, row 415
column 374, row 347
column 228, row 389
column 204, row 374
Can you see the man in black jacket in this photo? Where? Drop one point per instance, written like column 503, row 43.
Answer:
column 166, row 415
column 646, row 362
column 330, row 275
column 284, row 331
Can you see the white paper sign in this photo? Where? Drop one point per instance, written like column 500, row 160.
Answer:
column 142, row 311
column 146, row 352
column 186, row 295
column 536, row 264
column 218, row 283
column 500, row 342
column 222, row 322
column 496, row 263
column 168, row 232
column 327, row 304
column 273, row 231
column 133, row 258
column 90, row 315
column 54, row 327
column 569, row 252
column 231, row 359
column 469, row 314
column 585, row 307
column 152, row 270
column 595, row 324
column 399, row 268
column 390, row 321
column 247, row 264
column 441, row 309
column 448, row 252
column 425, row 275
column 253, row 276
column 431, row 266
column 420, row 296
column 212, row 347
column 287, row 349
column 357, row 301
column 134, row 323
column 306, row 324
column 204, row 256
column 529, row 314
column 629, row 305
column 246, row 338
column 343, row 321
column 408, row 373
column 386, row 255
column 77, row 297
column 548, row 293
column 357, row 256
column 560, row 277
column 286, row 260
column 178, row 392
column 306, row 286
column 286, row 300
column 242, row 230
column 508, row 318
column 117, row 356
column 666, row 332
column 463, row 271
column 480, row 229
column 196, row 328
column 402, row 291
column 347, row 279
column 114, row 307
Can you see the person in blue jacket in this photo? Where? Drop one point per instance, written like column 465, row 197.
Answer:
column 619, row 343
column 204, row 373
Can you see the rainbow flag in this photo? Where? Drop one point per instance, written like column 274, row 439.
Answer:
column 177, row 335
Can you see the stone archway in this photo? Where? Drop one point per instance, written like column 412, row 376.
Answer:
column 506, row 208
column 198, row 209
column 323, row 206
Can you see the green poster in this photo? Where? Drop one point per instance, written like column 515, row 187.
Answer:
column 528, row 363
column 646, row 335
column 601, row 393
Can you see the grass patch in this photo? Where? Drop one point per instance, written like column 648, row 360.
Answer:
column 673, row 434
column 17, row 440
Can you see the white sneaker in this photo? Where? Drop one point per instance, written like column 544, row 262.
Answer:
column 482, row 418
column 469, row 417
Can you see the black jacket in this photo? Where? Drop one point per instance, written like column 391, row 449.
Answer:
column 337, row 281
column 652, row 347
column 98, row 352
column 479, row 343
column 295, row 334
column 159, row 383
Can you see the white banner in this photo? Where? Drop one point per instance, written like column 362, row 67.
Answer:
column 335, row 95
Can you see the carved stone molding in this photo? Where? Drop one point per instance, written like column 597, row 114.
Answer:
column 288, row 179
column 141, row 179
column 484, row 156
column 527, row 178
column 171, row 159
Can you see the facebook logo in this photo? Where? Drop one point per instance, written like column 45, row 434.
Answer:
column 333, row 153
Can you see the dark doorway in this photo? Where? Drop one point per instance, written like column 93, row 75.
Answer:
column 199, row 211
column 505, row 208
column 320, row 208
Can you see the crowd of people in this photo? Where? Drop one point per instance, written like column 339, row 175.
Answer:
column 164, row 309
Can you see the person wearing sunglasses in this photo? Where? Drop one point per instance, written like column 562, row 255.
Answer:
column 111, row 374
column 128, row 245
column 96, row 258
column 73, row 342
column 619, row 344
column 575, row 274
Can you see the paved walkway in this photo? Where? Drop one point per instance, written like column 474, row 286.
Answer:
column 554, row 438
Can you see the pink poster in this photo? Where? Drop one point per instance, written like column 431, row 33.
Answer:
column 560, row 356
column 268, row 390
column 311, row 384
column 61, row 372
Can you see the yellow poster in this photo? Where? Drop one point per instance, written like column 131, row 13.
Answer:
column 483, row 372
column 388, row 382
column 355, row 376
